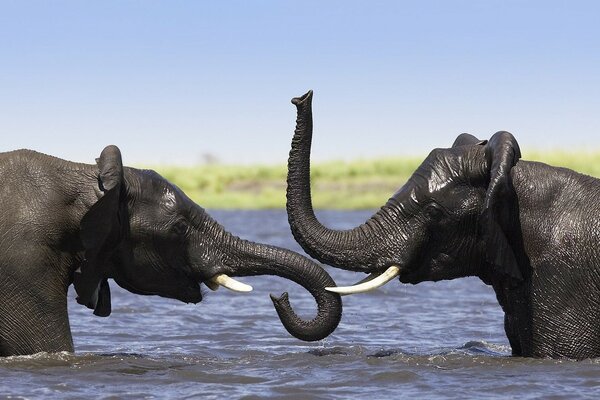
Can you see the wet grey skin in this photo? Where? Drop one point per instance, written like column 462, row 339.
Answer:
column 64, row 223
column 530, row 230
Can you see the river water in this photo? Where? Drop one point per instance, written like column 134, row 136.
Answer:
column 433, row 340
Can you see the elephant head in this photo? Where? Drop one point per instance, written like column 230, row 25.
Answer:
column 454, row 217
column 148, row 236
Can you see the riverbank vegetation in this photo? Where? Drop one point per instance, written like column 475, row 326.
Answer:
column 359, row 184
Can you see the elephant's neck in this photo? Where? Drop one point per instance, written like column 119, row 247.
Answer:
column 558, row 211
column 81, row 192
column 553, row 203
column 61, row 193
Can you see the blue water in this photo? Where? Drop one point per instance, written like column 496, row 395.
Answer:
column 433, row 340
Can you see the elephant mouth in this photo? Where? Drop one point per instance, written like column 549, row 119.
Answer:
column 227, row 282
column 214, row 279
column 191, row 294
column 427, row 270
column 372, row 282
column 187, row 292
column 431, row 269
column 190, row 291
column 412, row 277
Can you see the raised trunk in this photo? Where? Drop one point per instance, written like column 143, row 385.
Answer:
column 247, row 258
column 353, row 249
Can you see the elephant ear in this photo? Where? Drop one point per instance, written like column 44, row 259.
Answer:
column 499, row 220
column 466, row 139
column 102, row 229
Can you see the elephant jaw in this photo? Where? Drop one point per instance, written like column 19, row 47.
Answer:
column 227, row 282
column 372, row 282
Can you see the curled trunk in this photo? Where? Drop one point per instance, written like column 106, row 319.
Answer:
column 352, row 249
column 259, row 259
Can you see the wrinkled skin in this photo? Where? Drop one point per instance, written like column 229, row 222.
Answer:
column 63, row 223
column 529, row 230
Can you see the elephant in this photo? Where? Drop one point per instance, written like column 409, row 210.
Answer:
column 529, row 230
column 64, row 223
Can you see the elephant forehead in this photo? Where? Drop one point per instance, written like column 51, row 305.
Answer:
column 439, row 170
column 438, row 180
column 429, row 179
column 169, row 198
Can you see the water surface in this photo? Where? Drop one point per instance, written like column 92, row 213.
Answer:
column 432, row 340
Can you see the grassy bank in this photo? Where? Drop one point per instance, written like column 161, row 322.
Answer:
column 360, row 184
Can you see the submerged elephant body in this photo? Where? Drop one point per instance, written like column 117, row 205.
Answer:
column 529, row 230
column 64, row 222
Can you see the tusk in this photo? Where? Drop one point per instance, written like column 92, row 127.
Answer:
column 372, row 282
column 230, row 283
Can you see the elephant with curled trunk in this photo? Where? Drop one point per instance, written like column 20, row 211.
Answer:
column 63, row 223
column 529, row 230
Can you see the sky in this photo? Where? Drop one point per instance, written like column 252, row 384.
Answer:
column 178, row 82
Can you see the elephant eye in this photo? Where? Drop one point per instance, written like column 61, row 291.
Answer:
column 180, row 228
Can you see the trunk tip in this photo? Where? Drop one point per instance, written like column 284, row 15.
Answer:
column 304, row 98
column 283, row 300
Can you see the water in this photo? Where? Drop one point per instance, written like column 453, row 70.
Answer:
column 432, row 340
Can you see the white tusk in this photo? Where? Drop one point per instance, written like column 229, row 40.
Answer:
column 230, row 283
column 366, row 285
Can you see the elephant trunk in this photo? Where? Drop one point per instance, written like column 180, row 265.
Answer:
column 249, row 259
column 353, row 249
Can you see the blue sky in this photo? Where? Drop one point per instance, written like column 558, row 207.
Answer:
column 169, row 81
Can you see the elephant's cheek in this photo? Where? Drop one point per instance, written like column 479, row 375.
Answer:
column 442, row 267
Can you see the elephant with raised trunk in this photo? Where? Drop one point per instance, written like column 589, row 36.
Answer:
column 529, row 230
column 63, row 222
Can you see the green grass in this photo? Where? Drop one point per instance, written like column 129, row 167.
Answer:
column 359, row 184
column 586, row 162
